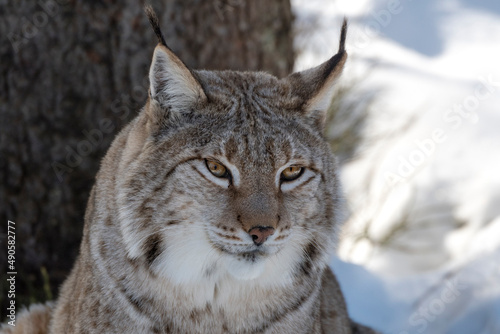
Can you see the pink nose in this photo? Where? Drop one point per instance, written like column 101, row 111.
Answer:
column 260, row 234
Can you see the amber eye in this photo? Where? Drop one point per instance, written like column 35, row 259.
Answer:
column 216, row 168
column 291, row 173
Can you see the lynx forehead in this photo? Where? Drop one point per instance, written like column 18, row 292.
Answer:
column 214, row 211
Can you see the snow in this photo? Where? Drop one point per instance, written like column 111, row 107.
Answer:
column 456, row 299
column 424, row 188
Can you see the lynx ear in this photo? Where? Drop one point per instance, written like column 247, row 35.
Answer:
column 172, row 84
column 316, row 85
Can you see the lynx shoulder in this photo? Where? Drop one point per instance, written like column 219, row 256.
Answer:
column 215, row 210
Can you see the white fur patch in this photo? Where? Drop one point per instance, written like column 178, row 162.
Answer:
column 245, row 270
column 321, row 102
column 190, row 259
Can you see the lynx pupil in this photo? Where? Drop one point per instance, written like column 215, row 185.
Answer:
column 217, row 169
column 291, row 173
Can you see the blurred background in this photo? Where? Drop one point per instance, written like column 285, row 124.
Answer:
column 414, row 125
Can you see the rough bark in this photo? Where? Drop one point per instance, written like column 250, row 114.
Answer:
column 231, row 34
column 72, row 74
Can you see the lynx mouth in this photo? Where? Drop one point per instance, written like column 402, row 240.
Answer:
column 245, row 252
column 250, row 253
column 252, row 256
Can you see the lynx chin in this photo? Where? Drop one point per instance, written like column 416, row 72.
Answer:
column 215, row 211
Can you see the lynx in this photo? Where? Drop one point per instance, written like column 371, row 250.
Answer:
column 215, row 211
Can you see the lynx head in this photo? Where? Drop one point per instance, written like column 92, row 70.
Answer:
column 227, row 174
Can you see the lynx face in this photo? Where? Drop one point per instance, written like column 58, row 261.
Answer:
column 227, row 175
column 242, row 161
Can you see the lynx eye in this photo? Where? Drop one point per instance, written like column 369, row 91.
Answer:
column 216, row 168
column 291, row 173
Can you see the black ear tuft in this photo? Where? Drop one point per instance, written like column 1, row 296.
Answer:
column 343, row 34
column 155, row 23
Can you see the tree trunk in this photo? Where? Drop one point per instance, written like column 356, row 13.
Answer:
column 231, row 34
column 72, row 74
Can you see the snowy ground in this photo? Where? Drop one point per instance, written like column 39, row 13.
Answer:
column 424, row 189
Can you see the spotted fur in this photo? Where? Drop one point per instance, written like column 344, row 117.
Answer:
column 166, row 245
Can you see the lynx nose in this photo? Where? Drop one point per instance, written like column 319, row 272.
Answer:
column 260, row 234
